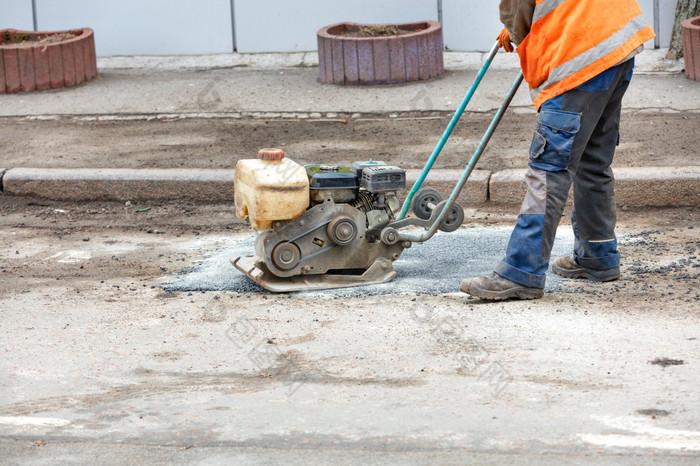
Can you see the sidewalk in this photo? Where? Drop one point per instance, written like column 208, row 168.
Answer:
column 285, row 86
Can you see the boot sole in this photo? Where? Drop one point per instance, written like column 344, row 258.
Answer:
column 513, row 293
column 598, row 276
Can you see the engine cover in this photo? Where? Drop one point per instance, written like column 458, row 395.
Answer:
column 383, row 179
column 335, row 181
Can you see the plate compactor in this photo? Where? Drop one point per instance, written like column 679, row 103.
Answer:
column 330, row 226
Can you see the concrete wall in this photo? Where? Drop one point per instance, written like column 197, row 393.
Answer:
column 16, row 14
column 151, row 27
column 191, row 27
column 470, row 25
column 667, row 14
column 291, row 25
column 135, row 27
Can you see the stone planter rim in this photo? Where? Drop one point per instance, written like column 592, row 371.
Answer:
column 37, row 67
column 78, row 34
column 691, row 23
column 432, row 26
column 690, row 33
column 414, row 55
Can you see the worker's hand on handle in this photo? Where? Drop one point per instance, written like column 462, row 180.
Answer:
column 504, row 41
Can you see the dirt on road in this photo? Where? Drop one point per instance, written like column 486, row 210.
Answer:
column 661, row 248
column 96, row 352
column 406, row 140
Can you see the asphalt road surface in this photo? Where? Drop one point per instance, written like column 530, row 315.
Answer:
column 102, row 364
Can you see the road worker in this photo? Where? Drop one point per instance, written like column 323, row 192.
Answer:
column 577, row 57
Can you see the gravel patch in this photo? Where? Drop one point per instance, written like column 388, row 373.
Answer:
column 435, row 267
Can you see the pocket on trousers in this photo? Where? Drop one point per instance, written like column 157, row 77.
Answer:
column 551, row 145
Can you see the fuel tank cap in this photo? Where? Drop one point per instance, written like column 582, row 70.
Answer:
column 270, row 154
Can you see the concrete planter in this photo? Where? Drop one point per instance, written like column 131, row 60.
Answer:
column 690, row 29
column 32, row 61
column 346, row 58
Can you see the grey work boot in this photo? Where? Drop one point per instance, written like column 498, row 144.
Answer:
column 496, row 287
column 567, row 267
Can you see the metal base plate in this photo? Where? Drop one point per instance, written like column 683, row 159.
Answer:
column 381, row 271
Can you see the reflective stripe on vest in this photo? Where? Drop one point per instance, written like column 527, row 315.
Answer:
column 591, row 56
column 544, row 8
column 570, row 42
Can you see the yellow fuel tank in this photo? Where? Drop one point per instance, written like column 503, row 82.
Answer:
column 270, row 188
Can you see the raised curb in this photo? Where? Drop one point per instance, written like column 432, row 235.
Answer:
column 83, row 184
column 508, row 187
column 212, row 185
column 475, row 192
column 634, row 187
column 658, row 187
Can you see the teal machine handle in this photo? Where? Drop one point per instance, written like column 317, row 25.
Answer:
column 420, row 236
column 448, row 131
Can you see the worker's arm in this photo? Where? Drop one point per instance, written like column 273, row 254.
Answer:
column 516, row 16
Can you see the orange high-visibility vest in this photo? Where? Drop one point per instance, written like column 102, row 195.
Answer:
column 572, row 41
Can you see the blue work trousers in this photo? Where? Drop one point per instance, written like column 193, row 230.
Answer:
column 575, row 141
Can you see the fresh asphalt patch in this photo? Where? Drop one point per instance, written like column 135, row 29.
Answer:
column 435, row 267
